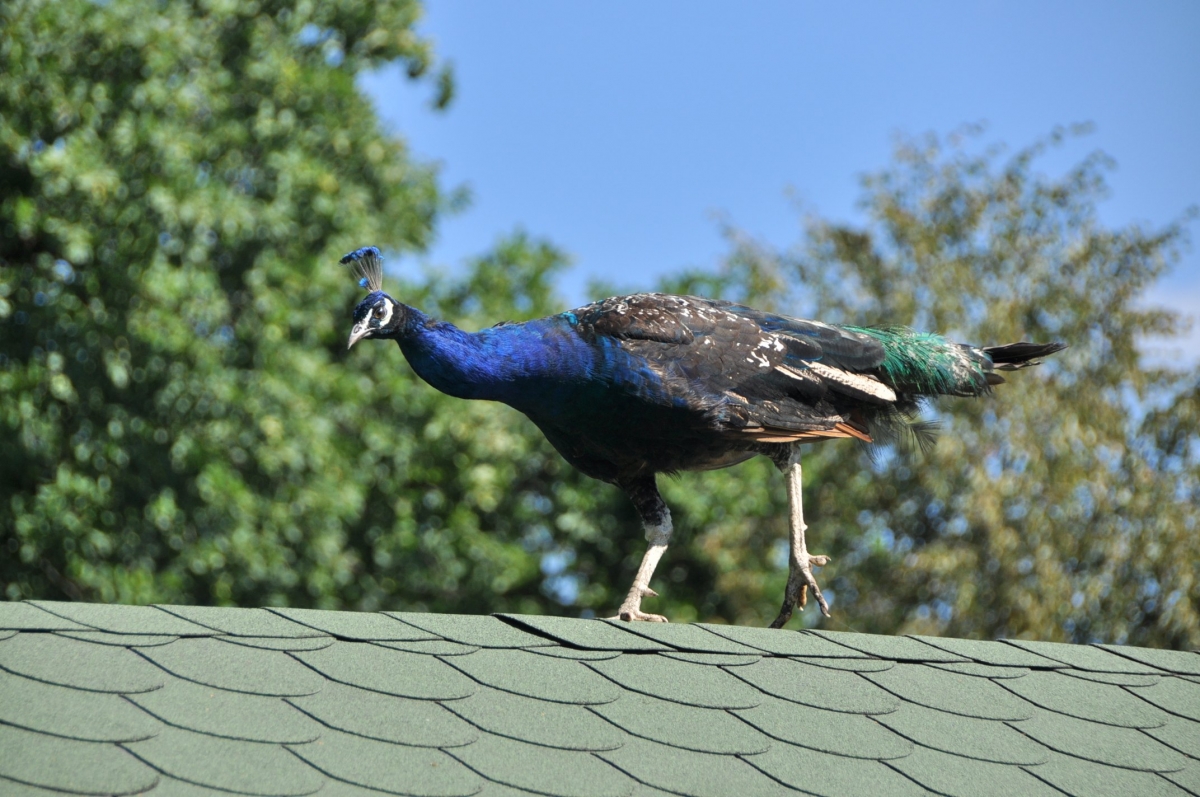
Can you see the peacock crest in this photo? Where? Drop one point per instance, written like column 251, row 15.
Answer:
column 368, row 265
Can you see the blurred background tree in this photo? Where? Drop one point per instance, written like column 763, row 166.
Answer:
column 180, row 422
column 1063, row 507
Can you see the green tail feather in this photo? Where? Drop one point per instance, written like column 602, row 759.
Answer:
column 923, row 363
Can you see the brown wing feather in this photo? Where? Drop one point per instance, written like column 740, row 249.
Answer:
column 776, row 435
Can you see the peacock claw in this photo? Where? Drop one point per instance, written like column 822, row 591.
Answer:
column 800, row 580
column 637, row 615
column 631, row 609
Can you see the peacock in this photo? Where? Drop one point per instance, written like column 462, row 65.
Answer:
column 634, row 386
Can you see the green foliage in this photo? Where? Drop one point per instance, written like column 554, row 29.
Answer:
column 176, row 419
column 180, row 421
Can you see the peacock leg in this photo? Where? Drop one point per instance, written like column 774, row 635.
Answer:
column 656, row 519
column 801, row 562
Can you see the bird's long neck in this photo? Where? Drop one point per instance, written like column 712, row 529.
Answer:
column 505, row 363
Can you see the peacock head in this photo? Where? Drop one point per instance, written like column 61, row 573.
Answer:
column 378, row 315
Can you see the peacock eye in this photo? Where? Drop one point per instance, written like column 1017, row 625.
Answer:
column 378, row 312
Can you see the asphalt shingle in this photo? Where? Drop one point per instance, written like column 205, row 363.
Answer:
column 782, row 642
column 1180, row 734
column 833, row 776
column 1114, row 678
column 679, row 681
column 840, row 733
column 850, row 665
column 68, row 765
column 1188, row 779
column 386, row 718
column 981, row 670
column 819, row 687
column 493, row 789
column 963, row 777
column 119, row 640
column 577, row 655
column 544, row 770
column 354, row 626
column 71, row 713
column 1096, row 780
column 1181, row 662
column 986, row 740
column 81, row 665
column 231, row 715
column 587, row 636
column 170, row 787
column 242, row 622
column 283, row 643
column 711, row 659
column 1174, row 695
column 245, row 767
column 122, row 619
column 682, row 637
column 253, row 702
column 431, row 647
column 422, row 771
column 690, row 773
column 894, row 648
column 1087, row 700
column 988, row 652
column 541, row 677
column 1082, row 657
column 564, row 725
column 393, row 672
column 236, row 668
column 705, row 730
column 480, row 632
column 1104, row 744
column 23, row 616
column 966, row 695
column 642, row 790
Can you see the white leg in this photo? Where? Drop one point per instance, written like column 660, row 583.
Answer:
column 800, row 562
column 658, row 536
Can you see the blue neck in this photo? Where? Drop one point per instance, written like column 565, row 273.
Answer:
column 513, row 363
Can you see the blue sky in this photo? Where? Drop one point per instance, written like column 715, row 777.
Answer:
column 623, row 130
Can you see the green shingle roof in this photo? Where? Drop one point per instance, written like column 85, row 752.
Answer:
column 190, row 701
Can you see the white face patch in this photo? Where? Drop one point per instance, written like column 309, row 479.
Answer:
column 387, row 313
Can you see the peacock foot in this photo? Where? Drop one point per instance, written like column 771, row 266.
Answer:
column 800, row 580
column 631, row 609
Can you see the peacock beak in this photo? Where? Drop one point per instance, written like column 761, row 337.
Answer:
column 358, row 333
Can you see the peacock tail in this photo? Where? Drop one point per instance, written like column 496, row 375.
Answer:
column 924, row 363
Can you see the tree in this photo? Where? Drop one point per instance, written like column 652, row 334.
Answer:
column 175, row 419
column 1064, row 506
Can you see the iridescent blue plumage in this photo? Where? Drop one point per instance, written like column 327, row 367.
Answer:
column 634, row 386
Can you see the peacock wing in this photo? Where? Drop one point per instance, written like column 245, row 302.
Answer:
column 750, row 371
